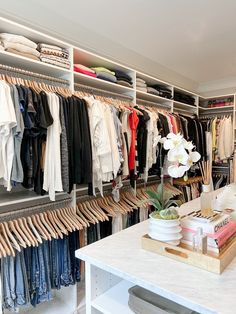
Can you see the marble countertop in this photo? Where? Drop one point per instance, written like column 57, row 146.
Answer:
column 202, row 291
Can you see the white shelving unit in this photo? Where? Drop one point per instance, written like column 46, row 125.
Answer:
column 114, row 300
column 78, row 55
column 87, row 58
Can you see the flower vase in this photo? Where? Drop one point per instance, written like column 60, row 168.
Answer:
column 168, row 231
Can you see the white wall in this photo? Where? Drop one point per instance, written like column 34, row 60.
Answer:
column 33, row 14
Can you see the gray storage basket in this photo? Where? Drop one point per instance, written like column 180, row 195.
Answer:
column 142, row 301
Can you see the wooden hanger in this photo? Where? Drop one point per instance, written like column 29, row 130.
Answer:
column 72, row 213
column 17, row 234
column 34, row 230
column 27, row 232
column 6, row 242
column 64, row 219
column 48, row 226
column 40, row 228
column 11, row 237
column 96, row 206
column 58, row 222
column 50, row 218
column 22, row 233
column 84, row 219
column 2, row 250
column 84, row 211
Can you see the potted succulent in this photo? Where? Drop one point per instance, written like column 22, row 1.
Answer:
column 164, row 222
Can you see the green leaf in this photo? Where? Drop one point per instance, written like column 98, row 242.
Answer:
column 170, row 203
column 153, row 195
column 155, row 203
column 159, row 189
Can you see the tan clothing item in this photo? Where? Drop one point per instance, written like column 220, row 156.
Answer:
column 20, row 48
column 27, row 55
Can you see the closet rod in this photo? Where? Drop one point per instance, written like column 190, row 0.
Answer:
column 153, row 103
column 91, row 89
column 8, row 68
column 24, row 212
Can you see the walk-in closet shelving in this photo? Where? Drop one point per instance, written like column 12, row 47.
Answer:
column 81, row 56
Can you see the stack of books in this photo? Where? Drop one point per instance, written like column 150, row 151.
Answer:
column 219, row 231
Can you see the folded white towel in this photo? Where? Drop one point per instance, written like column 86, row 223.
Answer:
column 18, row 39
column 141, row 84
column 142, row 89
column 138, row 79
column 20, row 47
column 42, row 45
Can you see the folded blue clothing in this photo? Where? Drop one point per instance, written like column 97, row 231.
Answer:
column 107, row 77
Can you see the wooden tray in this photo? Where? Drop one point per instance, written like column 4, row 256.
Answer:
column 183, row 253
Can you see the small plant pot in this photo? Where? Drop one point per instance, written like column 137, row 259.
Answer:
column 168, row 231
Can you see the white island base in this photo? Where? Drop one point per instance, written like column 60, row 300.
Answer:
column 118, row 262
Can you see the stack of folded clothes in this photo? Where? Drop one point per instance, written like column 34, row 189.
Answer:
column 19, row 45
column 54, row 55
column 80, row 68
column 181, row 97
column 105, row 74
column 159, row 90
column 141, row 85
column 123, row 78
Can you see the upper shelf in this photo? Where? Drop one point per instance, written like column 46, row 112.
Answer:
column 102, row 84
column 181, row 105
column 150, row 80
column 24, row 63
column 90, row 59
column 7, row 26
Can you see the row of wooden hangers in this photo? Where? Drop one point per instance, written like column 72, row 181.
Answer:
column 54, row 224
column 36, row 86
column 120, row 104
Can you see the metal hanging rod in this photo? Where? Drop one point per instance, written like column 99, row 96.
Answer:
column 153, row 103
column 8, row 68
column 24, row 212
column 101, row 91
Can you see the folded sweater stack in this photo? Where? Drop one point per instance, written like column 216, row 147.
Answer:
column 160, row 90
column 19, row 45
column 80, row 68
column 141, row 85
column 105, row 74
column 54, row 55
column 123, row 78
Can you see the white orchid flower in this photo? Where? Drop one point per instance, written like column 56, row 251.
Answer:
column 188, row 145
column 173, row 140
column 178, row 154
column 176, row 171
column 193, row 157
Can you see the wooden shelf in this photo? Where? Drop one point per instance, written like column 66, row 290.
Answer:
column 181, row 105
column 115, row 300
column 24, row 63
column 102, row 84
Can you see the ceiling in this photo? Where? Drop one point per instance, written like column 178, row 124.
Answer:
column 195, row 39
